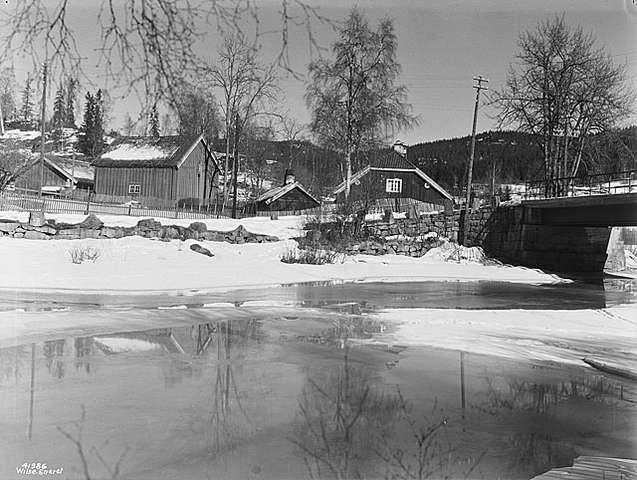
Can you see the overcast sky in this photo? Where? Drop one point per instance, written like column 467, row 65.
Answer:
column 441, row 45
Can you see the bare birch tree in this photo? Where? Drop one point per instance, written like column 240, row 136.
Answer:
column 563, row 88
column 248, row 87
column 355, row 97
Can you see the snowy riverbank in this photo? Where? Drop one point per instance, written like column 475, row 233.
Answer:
column 135, row 264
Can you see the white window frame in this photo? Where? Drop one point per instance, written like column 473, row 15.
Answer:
column 134, row 188
column 394, row 185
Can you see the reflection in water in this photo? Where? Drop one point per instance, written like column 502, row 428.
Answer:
column 54, row 353
column 219, row 394
column 349, row 426
column 83, row 349
column 342, row 420
column 537, row 397
column 534, row 453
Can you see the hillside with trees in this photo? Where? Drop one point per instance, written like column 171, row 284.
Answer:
column 514, row 157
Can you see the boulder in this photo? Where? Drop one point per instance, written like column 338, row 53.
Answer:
column 198, row 227
column 33, row 235
column 148, row 224
column 195, row 247
column 49, row 230
column 112, row 232
column 36, row 219
column 68, row 234
column 169, row 233
column 91, row 223
column 214, row 236
column 89, row 233
column 8, row 227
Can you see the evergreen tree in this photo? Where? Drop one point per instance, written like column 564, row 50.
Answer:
column 26, row 111
column 57, row 122
column 154, row 122
column 59, row 109
column 85, row 143
column 69, row 110
column 98, row 124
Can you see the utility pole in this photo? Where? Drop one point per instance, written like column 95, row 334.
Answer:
column 478, row 87
column 1, row 120
column 42, row 128
column 235, row 166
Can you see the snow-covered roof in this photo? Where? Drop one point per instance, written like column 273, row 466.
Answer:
column 277, row 192
column 167, row 151
column 20, row 134
column 78, row 169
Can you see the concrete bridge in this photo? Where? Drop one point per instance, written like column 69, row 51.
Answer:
column 615, row 210
column 567, row 235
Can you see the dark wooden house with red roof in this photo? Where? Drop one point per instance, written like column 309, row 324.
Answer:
column 175, row 169
column 389, row 175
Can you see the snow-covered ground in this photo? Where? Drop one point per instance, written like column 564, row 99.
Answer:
column 544, row 335
column 135, row 264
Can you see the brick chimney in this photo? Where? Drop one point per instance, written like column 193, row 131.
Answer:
column 289, row 177
column 400, row 148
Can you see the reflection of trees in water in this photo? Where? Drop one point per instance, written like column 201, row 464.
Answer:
column 83, row 351
column 225, row 342
column 342, row 419
column 539, row 397
column 350, row 428
column 533, row 453
column 229, row 420
column 54, row 353
column 14, row 362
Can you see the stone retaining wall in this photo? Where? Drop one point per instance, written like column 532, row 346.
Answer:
column 93, row 227
column 409, row 236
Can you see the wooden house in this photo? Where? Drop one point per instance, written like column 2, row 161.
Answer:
column 289, row 196
column 175, row 169
column 388, row 175
column 60, row 173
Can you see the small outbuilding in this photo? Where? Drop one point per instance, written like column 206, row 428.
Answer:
column 175, row 169
column 59, row 173
column 289, row 196
column 389, row 175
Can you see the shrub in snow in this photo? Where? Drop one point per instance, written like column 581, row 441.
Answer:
column 312, row 256
column 82, row 254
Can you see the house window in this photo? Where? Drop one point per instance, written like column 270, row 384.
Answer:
column 394, row 185
column 134, row 188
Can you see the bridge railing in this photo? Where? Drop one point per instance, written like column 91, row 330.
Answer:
column 594, row 184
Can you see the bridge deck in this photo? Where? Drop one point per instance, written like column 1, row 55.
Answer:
column 589, row 468
column 618, row 210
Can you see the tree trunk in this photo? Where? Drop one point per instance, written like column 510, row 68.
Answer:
column 225, row 168
column 348, row 172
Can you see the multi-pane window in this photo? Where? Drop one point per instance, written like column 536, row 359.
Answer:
column 134, row 188
column 394, row 185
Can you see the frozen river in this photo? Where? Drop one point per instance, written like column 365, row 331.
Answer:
column 228, row 386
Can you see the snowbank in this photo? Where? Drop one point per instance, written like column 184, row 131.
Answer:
column 135, row 264
column 545, row 335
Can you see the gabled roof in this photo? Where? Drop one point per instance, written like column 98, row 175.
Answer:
column 71, row 169
column 393, row 161
column 167, row 151
column 277, row 192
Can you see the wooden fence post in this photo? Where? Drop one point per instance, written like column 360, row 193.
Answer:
column 88, row 203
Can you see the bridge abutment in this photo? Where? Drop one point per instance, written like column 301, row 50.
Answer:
column 566, row 249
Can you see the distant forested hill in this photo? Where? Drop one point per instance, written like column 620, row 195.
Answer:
column 516, row 156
